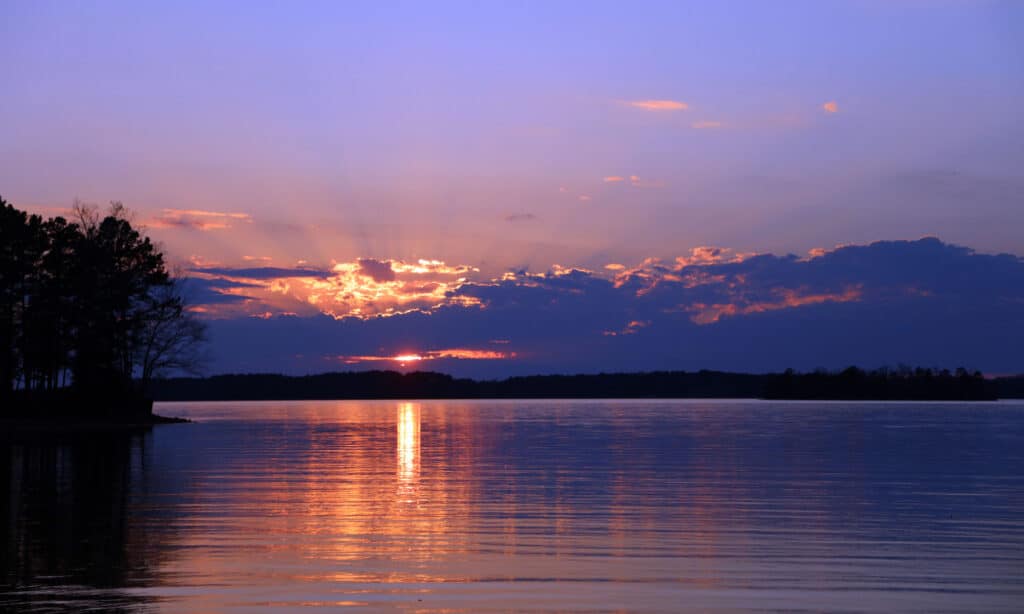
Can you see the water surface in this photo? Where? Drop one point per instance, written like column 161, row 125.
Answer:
column 524, row 505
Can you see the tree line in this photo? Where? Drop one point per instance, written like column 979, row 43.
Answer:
column 87, row 307
column 882, row 384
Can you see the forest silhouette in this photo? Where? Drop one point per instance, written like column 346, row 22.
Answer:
column 902, row 383
column 88, row 315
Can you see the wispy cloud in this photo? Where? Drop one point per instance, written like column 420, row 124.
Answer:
column 787, row 299
column 197, row 219
column 658, row 105
column 629, row 329
column 520, row 217
column 633, row 180
column 202, row 213
column 831, row 106
column 258, row 273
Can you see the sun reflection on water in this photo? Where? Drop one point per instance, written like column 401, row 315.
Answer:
column 408, row 448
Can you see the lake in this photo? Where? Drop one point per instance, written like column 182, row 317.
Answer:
column 469, row 506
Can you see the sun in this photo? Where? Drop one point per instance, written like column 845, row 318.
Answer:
column 404, row 358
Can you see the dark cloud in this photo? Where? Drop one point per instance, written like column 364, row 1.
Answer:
column 262, row 273
column 916, row 302
column 520, row 217
column 199, row 291
column 377, row 270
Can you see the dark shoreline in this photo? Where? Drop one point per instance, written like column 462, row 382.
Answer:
column 49, row 424
column 903, row 384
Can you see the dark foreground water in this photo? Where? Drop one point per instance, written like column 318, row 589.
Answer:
column 528, row 505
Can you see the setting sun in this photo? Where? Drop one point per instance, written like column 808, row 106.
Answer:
column 404, row 358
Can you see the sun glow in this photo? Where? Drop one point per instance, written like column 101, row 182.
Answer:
column 455, row 353
column 404, row 358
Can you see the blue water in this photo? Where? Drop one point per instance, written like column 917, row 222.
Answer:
column 468, row 506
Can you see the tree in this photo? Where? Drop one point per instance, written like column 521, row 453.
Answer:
column 93, row 299
column 20, row 247
column 171, row 335
column 120, row 270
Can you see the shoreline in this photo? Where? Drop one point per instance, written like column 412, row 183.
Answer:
column 14, row 424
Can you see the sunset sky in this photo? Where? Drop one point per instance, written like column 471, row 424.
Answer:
column 490, row 188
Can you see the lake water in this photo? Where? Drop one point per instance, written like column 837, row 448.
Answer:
column 469, row 506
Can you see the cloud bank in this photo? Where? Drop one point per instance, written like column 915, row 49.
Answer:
column 916, row 302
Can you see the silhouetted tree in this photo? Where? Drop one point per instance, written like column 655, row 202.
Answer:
column 92, row 299
column 171, row 336
column 19, row 247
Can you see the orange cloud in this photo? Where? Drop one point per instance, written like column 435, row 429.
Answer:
column 709, row 314
column 706, row 254
column 658, row 105
column 831, row 106
column 363, row 288
column 614, row 179
column 653, row 271
column 202, row 213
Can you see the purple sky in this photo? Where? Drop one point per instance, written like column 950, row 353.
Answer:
column 516, row 137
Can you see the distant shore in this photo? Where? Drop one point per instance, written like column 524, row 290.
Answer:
column 850, row 384
column 50, row 424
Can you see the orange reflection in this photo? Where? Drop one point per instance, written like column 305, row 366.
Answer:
column 408, row 450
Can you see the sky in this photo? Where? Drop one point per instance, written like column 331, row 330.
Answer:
column 492, row 188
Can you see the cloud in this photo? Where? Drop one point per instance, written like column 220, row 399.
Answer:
column 377, row 270
column 520, row 217
column 630, row 329
column 198, row 291
column 362, row 288
column 196, row 219
column 787, row 298
column 632, row 180
column 260, row 273
column 583, row 198
column 706, row 125
column 916, row 302
column 201, row 213
column 831, row 106
column 658, row 105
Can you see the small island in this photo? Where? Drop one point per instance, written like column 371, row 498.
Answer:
column 89, row 314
